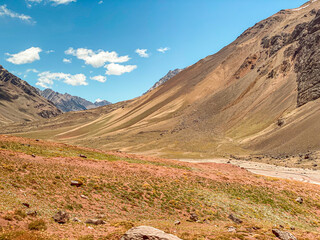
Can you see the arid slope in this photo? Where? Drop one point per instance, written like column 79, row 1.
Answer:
column 20, row 102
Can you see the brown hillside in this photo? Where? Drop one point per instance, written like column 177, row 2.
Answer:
column 230, row 102
column 19, row 102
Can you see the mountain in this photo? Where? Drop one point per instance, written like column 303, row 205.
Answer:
column 169, row 75
column 67, row 103
column 20, row 102
column 258, row 95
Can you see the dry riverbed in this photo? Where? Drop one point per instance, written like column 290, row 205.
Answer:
column 297, row 174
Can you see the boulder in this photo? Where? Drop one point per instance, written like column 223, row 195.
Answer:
column 193, row 217
column 283, row 235
column 76, row 183
column 95, row 221
column 299, row 200
column 147, row 233
column 61, row 217
column 235, row 219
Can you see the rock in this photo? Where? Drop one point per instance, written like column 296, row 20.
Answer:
column 147, row 233
column 84, row 196
column 75, row 219
column 37, row 140
column 33, row 155
column 235, row 219
column 32, row 213
column 27, row 205
column 299, row 200
column 95, row 221
column 232, row 229
column 61, row 217
column 177, row 222
column 193, row 217
column 83, row 156
column 76, row 183
column 283, row 235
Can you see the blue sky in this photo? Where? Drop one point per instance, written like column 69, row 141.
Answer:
column 111, row 49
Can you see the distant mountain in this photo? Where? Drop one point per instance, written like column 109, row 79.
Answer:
column 169, row 75
column 20, row 102
column 67, row 103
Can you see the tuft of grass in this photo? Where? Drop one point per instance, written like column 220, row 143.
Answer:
column 38, row 225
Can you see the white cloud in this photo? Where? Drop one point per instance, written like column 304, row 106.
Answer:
column 142, row 53
column 46, row 79
column 99, row 78
column 27, row 56
column 163, row 50
column 55, row 2
column 58, row 2
column 49, row 51
column 117, row 69
column 99, row 100
column 100, row 2
column 4, row 11
column 32, row 70
column 96, row 58
column 67, row 60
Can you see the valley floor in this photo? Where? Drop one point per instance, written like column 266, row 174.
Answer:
column 127, row 190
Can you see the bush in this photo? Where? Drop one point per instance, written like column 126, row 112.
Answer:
column 37, row 225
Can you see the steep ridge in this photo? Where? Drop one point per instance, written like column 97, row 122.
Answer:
column 230, row 102
column 164, row 79
column 67, row 103
column 20, row 102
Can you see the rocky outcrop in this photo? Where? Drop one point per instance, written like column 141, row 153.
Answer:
column 283, row 235
column 307, row 64
column 67, row 103
column 147, row 233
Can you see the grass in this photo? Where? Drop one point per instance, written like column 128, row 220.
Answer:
column 138, row 191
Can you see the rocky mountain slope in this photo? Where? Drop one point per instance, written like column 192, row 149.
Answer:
column 20, row 102
column 67, row 103
column 168, row 76
column 260, row 94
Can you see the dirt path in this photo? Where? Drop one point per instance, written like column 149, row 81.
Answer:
column 298, row 174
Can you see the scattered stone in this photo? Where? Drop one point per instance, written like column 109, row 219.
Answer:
column 75, row 219
column 283, row 235
column 61, row 217
column 76, row 183
column 177, row 222
column 37, row 140
column 33, row 155
column 293, row 228
column 27, row 205
column 235, row 219
column 232, row 229
column 193, row 217
column 83, row 156
column 84, row 196
column 299, row 200
column 95, row 221
column 145, row 233
column 315, row 165
column 32, row 213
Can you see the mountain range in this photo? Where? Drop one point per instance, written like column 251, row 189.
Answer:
column 67, row 103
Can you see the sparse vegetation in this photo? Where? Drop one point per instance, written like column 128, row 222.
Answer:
column 147, row 191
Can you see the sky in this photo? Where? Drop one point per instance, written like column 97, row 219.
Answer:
column 117, row 49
